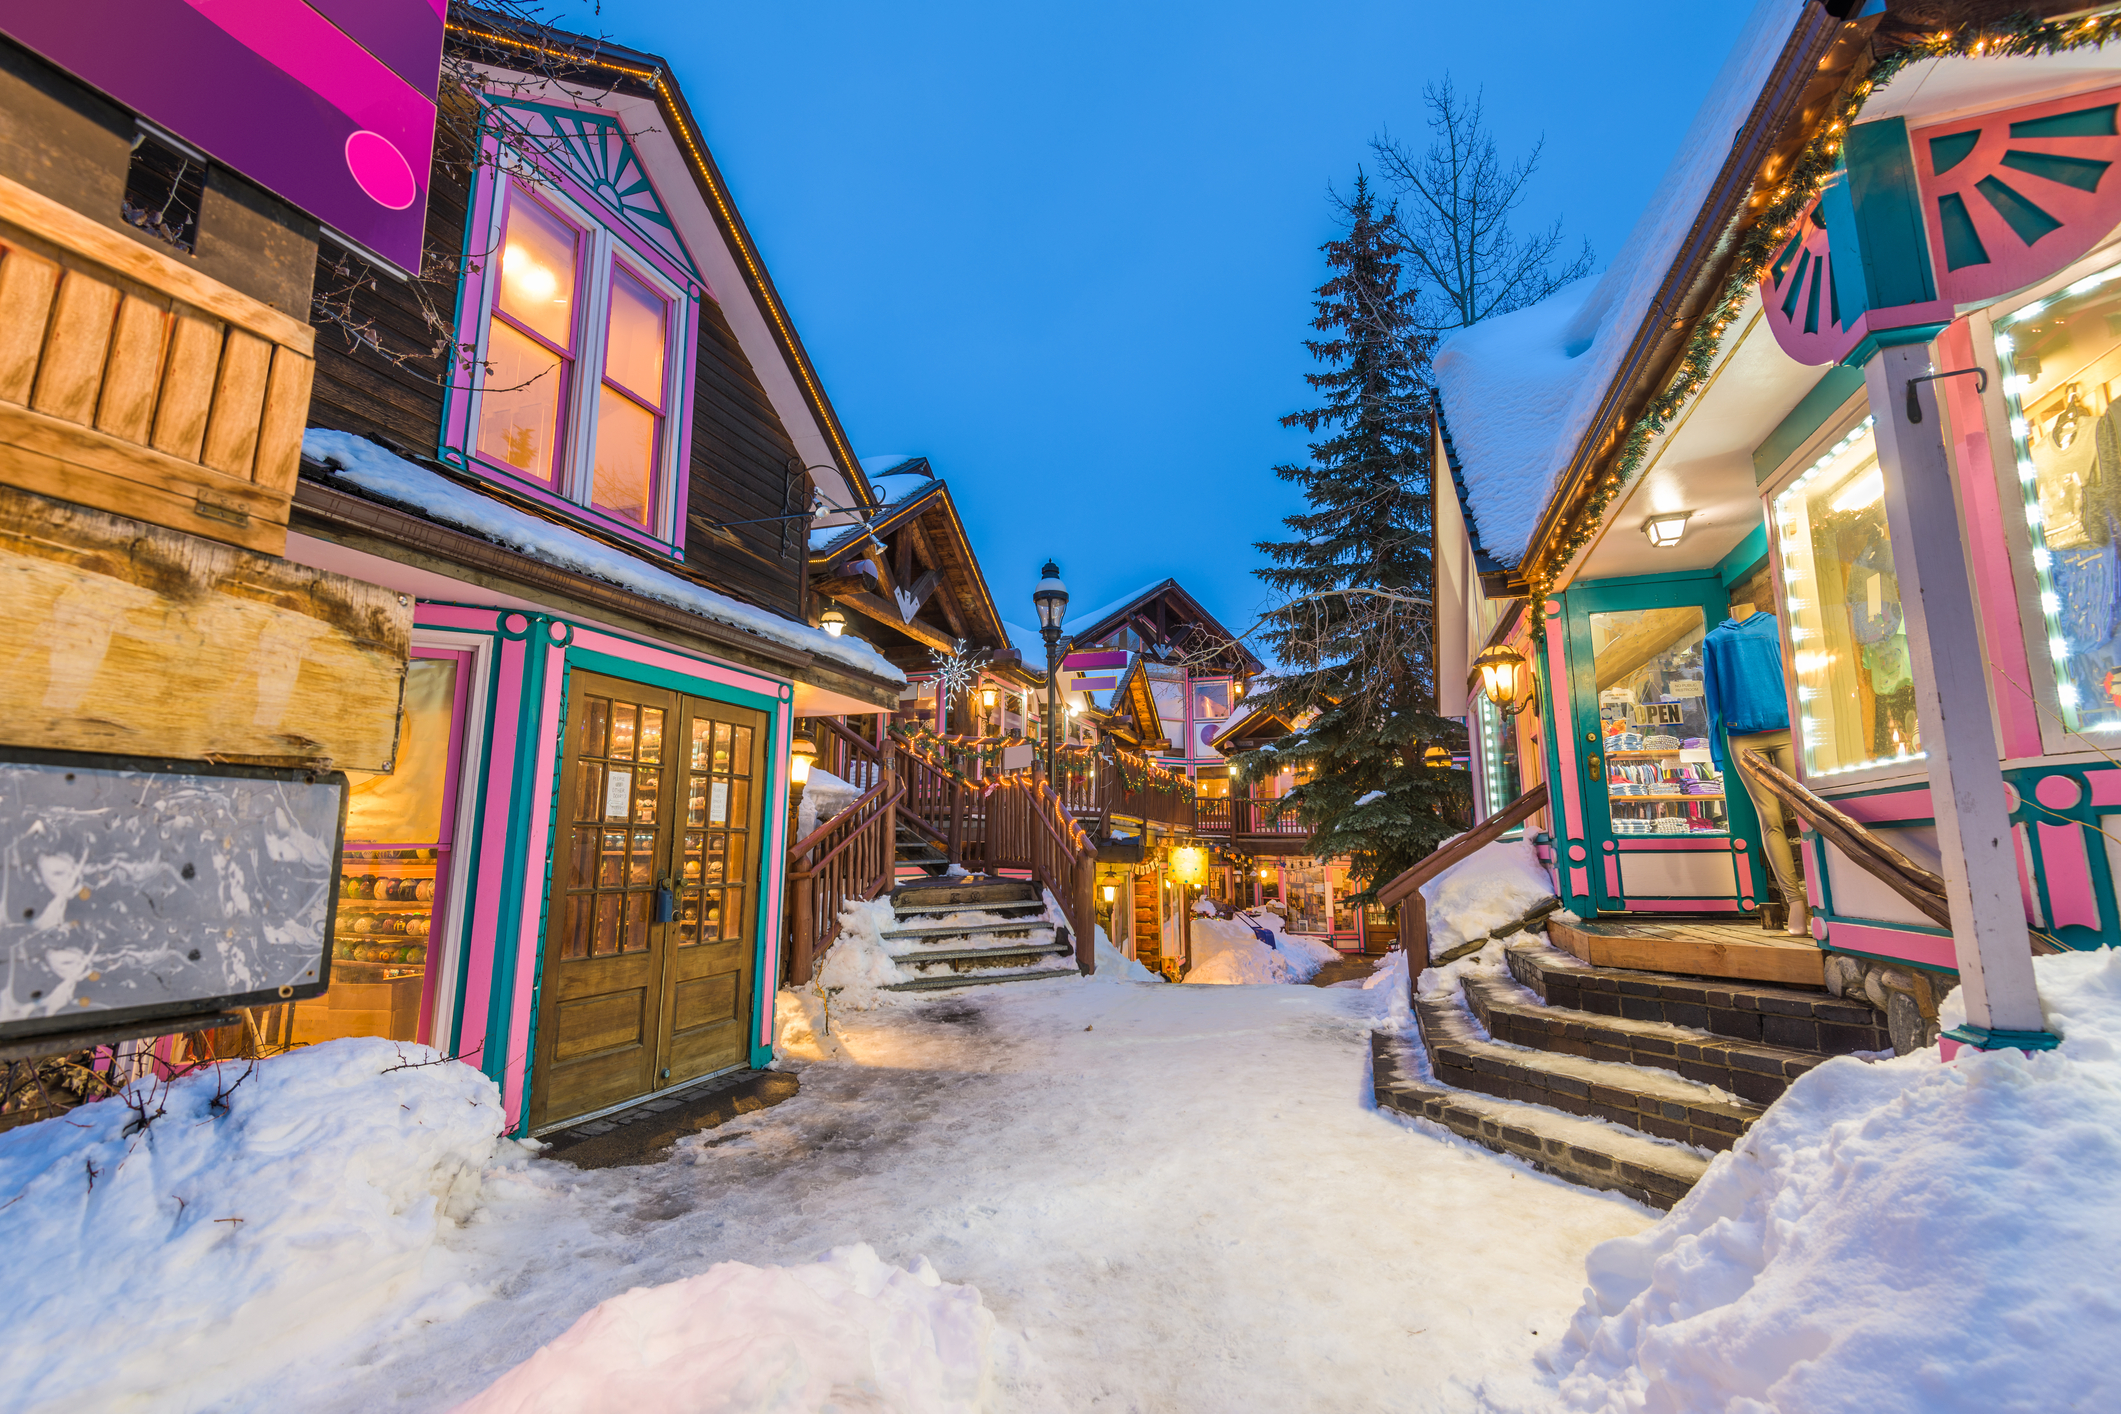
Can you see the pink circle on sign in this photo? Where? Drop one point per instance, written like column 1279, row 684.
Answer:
column 381, row 170
column 2058, row 792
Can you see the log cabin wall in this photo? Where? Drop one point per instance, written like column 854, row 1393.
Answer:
column 743, row 467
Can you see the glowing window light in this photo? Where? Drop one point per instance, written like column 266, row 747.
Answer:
column 1865, row 490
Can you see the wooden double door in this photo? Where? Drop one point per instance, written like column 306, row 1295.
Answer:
column 652, row 926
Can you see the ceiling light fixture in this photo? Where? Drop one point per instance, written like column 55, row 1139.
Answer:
column 1664, row 531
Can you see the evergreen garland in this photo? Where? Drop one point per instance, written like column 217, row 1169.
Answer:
column 2018, row 36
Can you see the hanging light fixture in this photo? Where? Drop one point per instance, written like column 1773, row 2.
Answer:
column 987, row 696
column 1664, row 531
column 832, row 620
column 801, row 753
column 1498, row 676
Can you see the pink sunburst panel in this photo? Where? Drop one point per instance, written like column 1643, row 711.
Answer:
column 2009, row 198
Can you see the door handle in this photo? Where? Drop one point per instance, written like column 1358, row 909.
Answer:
column 666, row 900
column 1592, row 759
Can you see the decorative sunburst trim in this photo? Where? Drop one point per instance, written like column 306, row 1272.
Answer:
column 594, row 151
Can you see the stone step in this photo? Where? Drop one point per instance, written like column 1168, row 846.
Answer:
column 1778, row 1016
column 1580, row 1151
column 1026, row 908
column 1648, row 1100
column 1019, row 927
column 980, row 979
column 1752, row 1070
column 1698, row 949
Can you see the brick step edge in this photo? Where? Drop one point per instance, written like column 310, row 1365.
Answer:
column 1029, row 910
column 979, row 979
column 967, row 930
column 1458, row 1057
column 1763, row 1013
column 1582, row 1160
column 1753, row 1071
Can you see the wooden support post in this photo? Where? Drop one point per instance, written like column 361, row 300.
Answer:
column 799, row 960
column 1944, row 640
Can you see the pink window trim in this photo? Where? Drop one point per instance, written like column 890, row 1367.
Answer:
column 459, row 436
column 570, row 359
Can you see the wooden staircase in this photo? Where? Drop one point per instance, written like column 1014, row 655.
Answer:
column 971, row 931
column 1544, row 1061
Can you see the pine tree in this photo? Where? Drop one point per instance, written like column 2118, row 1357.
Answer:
column 1351, row 623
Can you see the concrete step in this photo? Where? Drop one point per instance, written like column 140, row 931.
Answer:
column 1580, row 1151
column 1752, row 1070
column 1698, row 949
column 981, row 979
column 1651, row 1101
column 1799, row 1019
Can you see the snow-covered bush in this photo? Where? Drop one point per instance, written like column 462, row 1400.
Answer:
column 849, row 1331
column 1227, row 952
column 158, row 1242
column 1906, row 1234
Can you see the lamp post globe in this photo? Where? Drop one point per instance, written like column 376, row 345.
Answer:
column 1051, row 600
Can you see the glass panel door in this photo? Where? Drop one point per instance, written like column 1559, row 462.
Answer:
column 717, row 883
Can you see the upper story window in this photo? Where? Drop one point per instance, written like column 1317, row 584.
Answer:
column 577, row 389
column 579, row 300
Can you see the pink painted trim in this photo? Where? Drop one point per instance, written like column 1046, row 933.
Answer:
column 1995, row 583
column 766, row 987
column 457, row 616
column 2106, row 785
column 2031, row 900
column 2070, row 902
column 1900, row 805
column 445, row 851
column 1948, row 1049
column 1612, row 877
column 1725, row 904
column 665, row 550
column 1558, row 697
column 475, row 1026
column 1580, row 882
column 530, row 940
column 1888, row 941
column 1661, row 844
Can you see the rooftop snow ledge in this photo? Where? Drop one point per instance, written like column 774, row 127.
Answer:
column 404, row 483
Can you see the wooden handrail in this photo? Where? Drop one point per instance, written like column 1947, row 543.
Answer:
column 860, row 864
column 1405, row 890
column 1919, row 886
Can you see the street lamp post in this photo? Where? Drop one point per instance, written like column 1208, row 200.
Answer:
column 1051, row 598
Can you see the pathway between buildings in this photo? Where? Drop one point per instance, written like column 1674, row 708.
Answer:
column 1171, row 1198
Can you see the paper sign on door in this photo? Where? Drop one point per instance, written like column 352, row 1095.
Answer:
column 618, row 794
column 718, row 803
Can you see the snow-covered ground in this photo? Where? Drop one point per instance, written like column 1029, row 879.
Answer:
column 1167, row 1197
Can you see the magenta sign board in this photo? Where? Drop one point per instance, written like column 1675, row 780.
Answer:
column 328, row 104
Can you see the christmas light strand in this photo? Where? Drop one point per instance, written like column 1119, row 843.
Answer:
column 1815, row 164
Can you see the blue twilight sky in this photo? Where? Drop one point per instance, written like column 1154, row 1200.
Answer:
column 1067, row 250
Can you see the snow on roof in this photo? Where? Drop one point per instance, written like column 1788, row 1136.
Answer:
column 394, row 479
column 1519, row 391
column 893, row 489
column 1077, row 622
column 876, row 466
column 1027, row 642
column 824, row 535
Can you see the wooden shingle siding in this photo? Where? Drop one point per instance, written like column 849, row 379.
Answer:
column 743, row 463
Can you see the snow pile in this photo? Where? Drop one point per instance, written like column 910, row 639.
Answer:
column 1115, row 966
column 1899, row 1235
column 849, row 1331
column 262, row 1211
column 852, row 976
column 391, row 477
column 1493, row 887
column 1227, row 952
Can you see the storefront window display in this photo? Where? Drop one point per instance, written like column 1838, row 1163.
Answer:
column 1654, row 722
column 1847, row 635
column 1305, row 893
column 2061, row 364
column 394, row 874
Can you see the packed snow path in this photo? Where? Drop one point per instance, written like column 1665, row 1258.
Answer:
column 1171, row 1198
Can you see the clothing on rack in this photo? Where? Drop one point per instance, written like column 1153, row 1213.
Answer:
column 1742, row 680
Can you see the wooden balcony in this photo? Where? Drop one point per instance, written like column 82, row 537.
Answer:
column 132, row 384
column 1250, row 824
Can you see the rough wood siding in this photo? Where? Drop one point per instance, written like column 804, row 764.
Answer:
column 358, row 390
column 744, row 467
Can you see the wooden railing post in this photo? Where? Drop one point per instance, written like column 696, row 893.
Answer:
column 799, row 946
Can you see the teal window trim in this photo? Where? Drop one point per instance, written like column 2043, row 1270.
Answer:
column 1744, row 555
column 651, row 675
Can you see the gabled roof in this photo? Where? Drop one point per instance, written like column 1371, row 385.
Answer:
column 1247, row 729
column 607, row 75
column 1180, row 609
column 924, row 523
column 1134, row 702
column 1533, row 394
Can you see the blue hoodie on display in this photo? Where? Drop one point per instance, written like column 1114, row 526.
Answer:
column 1741, row 672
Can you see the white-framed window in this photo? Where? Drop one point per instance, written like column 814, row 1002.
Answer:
column 581, row 342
